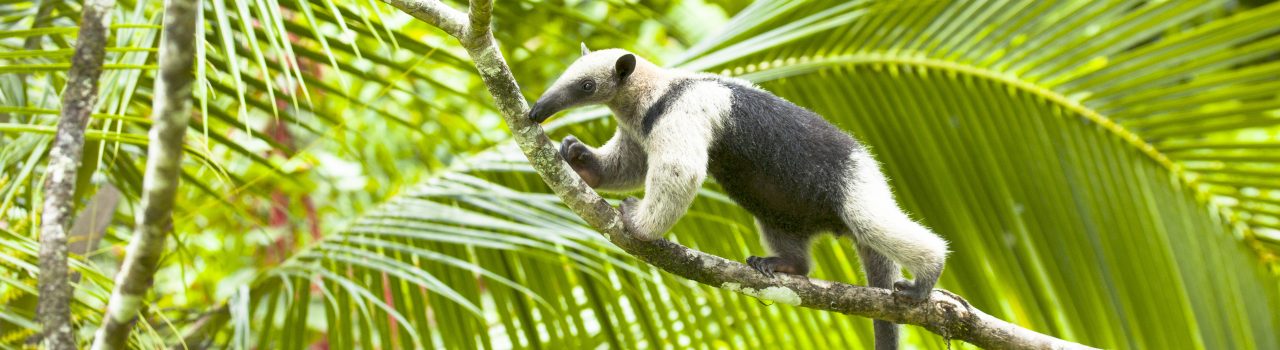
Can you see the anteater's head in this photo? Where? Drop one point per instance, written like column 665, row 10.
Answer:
column 595, row 78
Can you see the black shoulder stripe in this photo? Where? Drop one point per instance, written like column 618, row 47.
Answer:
column 663, row 105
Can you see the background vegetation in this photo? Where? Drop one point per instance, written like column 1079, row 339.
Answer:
column 1105, row 171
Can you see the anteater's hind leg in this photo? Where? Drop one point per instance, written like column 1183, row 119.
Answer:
column 878, row 224
column 881, row 273
column 790, row 251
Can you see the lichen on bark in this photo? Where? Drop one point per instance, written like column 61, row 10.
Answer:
column 79, row 99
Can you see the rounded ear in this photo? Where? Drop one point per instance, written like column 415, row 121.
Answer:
column 625, row 65
column 585, row 50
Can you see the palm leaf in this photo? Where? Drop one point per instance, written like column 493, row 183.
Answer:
column 1102, row 170
column 1019, row 153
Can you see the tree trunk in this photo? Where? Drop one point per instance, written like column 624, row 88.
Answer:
column 78, row 101
column 170, row 112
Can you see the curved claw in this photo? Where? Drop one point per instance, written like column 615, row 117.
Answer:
column 573, row 150
column 581, row 159
column 627, row 209
column 758, row 264
column 910, row 291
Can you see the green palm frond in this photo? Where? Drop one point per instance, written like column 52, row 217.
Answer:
column 1135, row 134
column 327, row 70
column 18, row 272
column 1199, row 100
column 518, row 269
column 1104, row 171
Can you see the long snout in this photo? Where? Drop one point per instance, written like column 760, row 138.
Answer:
column 548, row 105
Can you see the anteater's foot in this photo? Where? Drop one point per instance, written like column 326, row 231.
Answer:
column 911, row 291
column 769, row 266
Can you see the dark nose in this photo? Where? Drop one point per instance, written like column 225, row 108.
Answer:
column 538, row 113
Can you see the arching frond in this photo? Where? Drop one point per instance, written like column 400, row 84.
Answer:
column 1103, row 170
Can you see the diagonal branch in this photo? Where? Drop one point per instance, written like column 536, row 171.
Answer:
column 944, row 313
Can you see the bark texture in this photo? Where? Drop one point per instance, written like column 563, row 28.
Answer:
column 79, row 99
column 170, row 112
column 944, row 313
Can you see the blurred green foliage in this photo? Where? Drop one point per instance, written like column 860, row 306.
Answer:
column 1105, row 171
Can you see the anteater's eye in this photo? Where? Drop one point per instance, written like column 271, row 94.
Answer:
column 588, row 86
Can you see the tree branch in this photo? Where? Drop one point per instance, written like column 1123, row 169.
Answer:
column 480, row 13
column 79, row 100
column 170, row 111
column 944, row 313
column 436, row 13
